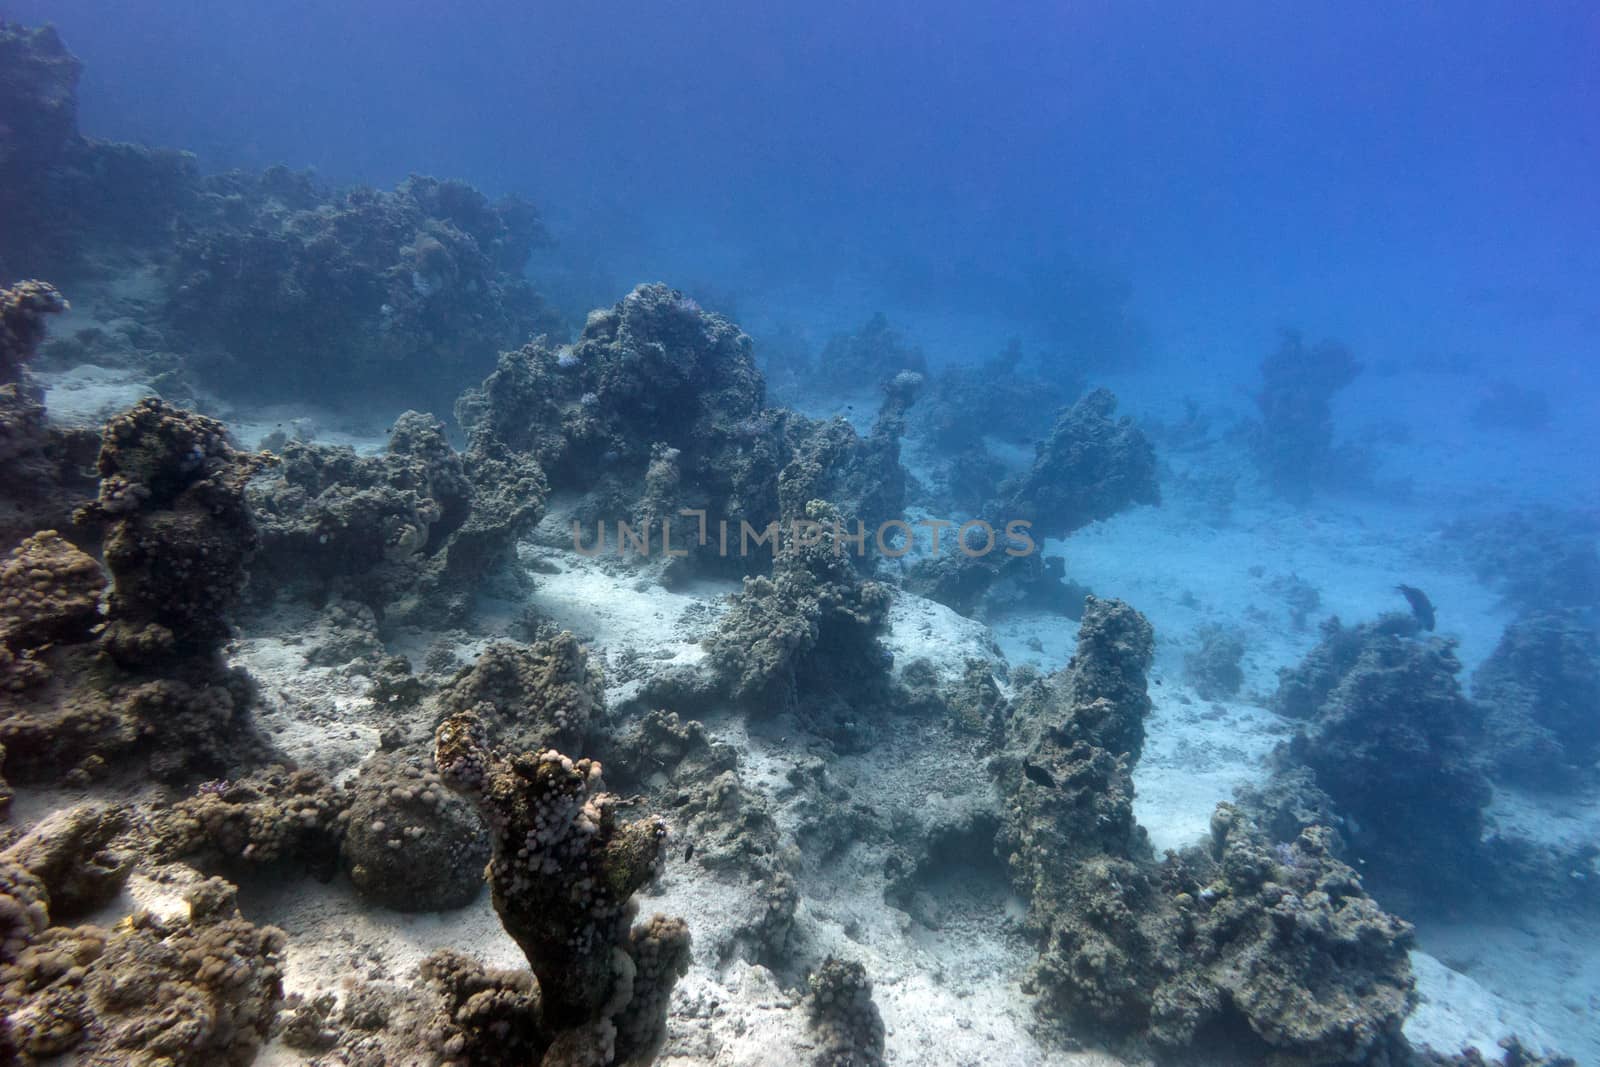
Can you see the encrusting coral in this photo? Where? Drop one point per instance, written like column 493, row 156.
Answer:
column 1275, row 951
column 564, row 869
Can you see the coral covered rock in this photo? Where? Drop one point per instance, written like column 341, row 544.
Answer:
column 23, row 308
column 1393, row 743
column 409, row 533
column 1275, row 955
column 152, row 992
column 178, row 533
column 410, row 293
column 49, row 592
column 411, row 844
column 565, row 865
column 530, row 696
column 1541, row 695
column 276, row 816
column 74, row 855
column 848, row 1028
column 1294, row 443
column 811, row 629
column 1090, row 467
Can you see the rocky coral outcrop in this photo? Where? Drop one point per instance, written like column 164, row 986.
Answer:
column 1294, row 442
column 277, row 816
column 1393, row 742
column 530, row 697
column 808, row 631
column 152, row 992
column 79, row 855
column 1090, row 467
column 410, row 533
column 848, row 1029
column 1274, row 954
column 409, row 292
column 565, row 866
column 868, row 357
column 1540, row 691
column 23, row 308
column 410, row 843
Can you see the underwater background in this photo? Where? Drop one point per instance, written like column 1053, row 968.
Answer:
column 1243, row 355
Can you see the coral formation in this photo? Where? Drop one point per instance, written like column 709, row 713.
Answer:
column 1278, row 955
column 872, row 354
column 178, row 533
column 1212, row 667
column 23, row 308
column 530, row 697
column 1294, row 442
column 410, row 292
column 1540, row 690
column 409, row 533
column 1392, row 741
column 152, row 992
column 809, row 630
column 275, row 816
column 77, row 857
column 409, row 843
column 1090, row 467
column 564, row 867
column 1538, row 558
column 848, row 1029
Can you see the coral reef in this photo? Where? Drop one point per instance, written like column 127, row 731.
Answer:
column 410, row 293
column 872, row 354
column 178, row 533
column 1294, row 442
column 1090, row 467
column 23, row 308
column 810, row 630
column 1538, row 558
column 409, row 843
column 409, row 533
column 77, row 857
column 530, row 697
column 1392, row 741
column 848, row 1029
column 149, row 676
column 152, row 992
column 998, row 397
column 1540, row 689
column 1212, row 667
column 275, row 816
column 564, row 867
column 1277, row 955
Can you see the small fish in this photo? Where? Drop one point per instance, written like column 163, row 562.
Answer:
column 1421, row 606
column 688, row 852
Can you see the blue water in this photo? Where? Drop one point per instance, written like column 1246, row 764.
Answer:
column 1144, row 194
column 1413, row 181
